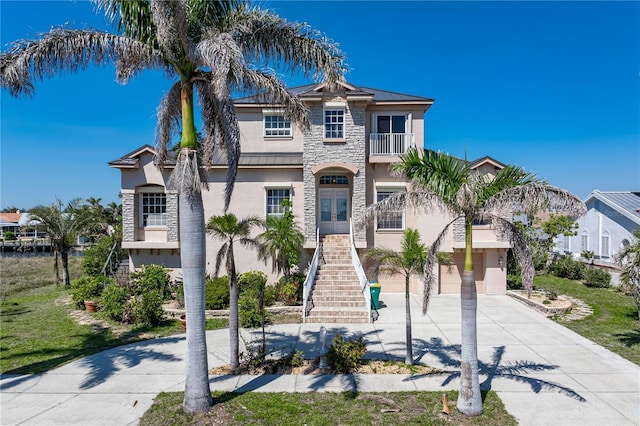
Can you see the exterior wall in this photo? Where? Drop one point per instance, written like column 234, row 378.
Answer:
column 252, row 139
column 601, row 218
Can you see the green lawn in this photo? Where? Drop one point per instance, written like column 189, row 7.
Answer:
column 614, row 323
column 325, row 408
column 36, row 331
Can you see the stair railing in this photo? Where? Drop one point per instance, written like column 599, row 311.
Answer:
column 362, row 277
column 113, row 260
column 307, row 302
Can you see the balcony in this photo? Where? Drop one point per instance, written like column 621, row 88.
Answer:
column 385, row 147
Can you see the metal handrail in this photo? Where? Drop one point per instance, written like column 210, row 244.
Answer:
column 108, row 262
column 390, row 143
column 362, row 277
column 311, row 277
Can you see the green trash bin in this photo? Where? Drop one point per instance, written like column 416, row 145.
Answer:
column 375, row 295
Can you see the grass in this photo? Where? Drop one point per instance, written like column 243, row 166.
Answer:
column 38, row 334
column 614, row 323
column 325, row 408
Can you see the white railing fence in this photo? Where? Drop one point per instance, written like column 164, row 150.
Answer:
column 362, row 277
column 311, row 278
column 390, row 143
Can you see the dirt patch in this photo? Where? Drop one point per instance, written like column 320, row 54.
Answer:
column 540, row 301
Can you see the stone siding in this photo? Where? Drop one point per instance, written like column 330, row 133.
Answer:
column 128, row 217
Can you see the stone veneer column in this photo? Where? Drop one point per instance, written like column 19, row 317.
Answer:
column 353, row 152
column 172, row 217
column 128, row 216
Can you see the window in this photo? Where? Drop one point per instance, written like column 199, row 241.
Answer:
column 334, row 123
column 274, row 198
column 567, row 243
column 276, row 125
column 154, row 209
column 391, row 123
column 333, row 180
column 584, row 241
column 392, row 220
column 604, row 249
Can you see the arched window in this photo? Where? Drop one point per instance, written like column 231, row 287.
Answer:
column 584, row 241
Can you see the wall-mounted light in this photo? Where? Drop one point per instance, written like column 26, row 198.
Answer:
column 500, row 261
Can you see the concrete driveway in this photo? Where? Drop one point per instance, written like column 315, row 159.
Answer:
column 544, row 373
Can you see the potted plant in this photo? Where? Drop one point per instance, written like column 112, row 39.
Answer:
column 86, row 291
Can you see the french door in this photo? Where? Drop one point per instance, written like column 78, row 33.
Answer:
column 334, row 211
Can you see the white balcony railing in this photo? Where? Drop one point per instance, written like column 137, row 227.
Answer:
column 390, row 143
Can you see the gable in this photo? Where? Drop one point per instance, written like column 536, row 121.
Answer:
column 623, row 203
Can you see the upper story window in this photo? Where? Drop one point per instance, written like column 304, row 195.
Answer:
column 274, row 198
column 333, row 180
column 393, row 221
column 153, row 211
column 275, row 124
column 334, row 123
column 389, row 123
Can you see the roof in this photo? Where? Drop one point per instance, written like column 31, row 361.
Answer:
column 247, row 159
column 314, row 90
column 626, row 203
column 10, row 217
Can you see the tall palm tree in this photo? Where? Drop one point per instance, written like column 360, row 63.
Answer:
column 281, row 241
column 408, row 261
column 211, row 48
column 63, row 224
column 228, row 229
column 439, row 181
column 629, row 259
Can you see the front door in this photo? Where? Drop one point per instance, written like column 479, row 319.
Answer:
column 334, row 211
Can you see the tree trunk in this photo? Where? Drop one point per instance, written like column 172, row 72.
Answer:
column 234, row 325
column 469, row 398
column 55, row 264
column 64, row 255
column 197, row 395
column 407, row 303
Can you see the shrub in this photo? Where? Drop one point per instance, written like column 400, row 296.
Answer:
column 597, row 278
column 147, row 308
column 345, row 356
column 289, row 291
column 149, row 278
column 249, row 312
column 552, row 295
column 567, row 267
column 217, row 293
column 114, row 303
column 252, row 282
column 88, row 288
column 96, row 256
column 9, row 236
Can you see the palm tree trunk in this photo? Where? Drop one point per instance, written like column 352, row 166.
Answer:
column 407, row 303
column 55, row 264
column 469, row 398
column 64, row 254
column 197, row 395
column 234, row 295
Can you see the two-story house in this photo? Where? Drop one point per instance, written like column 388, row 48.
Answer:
column 331, row 173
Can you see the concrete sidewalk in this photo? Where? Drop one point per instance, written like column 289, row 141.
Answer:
column 544, row 373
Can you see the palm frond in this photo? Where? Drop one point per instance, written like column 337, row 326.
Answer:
column 169, row 116
column 131, row 17
column 513, row 234
column 187, row 177
column 172, row 27
column 432, row 259
column 533, row 197
column 63, row 50
column 297, row 46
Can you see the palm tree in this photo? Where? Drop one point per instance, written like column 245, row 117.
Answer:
column 63, row 224
column 442, row 182
column 629, row 260
column 228, row 229
column 410, row 260
column 211, row 48
column 281, row 241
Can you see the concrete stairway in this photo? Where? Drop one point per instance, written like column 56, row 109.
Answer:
column 337, row 296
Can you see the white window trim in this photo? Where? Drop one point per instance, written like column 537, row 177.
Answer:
column 607, row 235
column 287, row 186
column 272, row 113
column 141, row 193
column 408, row 120
column 390, row 187
column 334, row 106
column 584, row 235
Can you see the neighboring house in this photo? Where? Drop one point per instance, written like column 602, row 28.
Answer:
column 19, row 223
column 607, row 227
column 331, row 173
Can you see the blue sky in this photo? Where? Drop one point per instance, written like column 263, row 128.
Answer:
column 551, row 86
